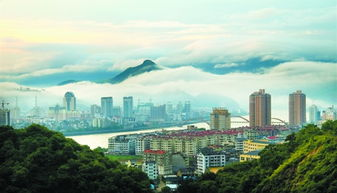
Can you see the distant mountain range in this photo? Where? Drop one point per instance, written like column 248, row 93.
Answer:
column 67, row 82
column 146, row 66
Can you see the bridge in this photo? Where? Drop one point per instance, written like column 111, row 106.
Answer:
column 278, row 120
column 245, row 120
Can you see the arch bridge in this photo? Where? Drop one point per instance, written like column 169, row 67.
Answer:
column 245, row 120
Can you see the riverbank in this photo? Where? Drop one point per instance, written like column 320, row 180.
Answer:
column 103, row 131
column 101, row 140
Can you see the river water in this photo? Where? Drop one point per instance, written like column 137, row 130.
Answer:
column 101, row 140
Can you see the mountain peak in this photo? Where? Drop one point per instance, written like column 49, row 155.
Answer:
column 146, row 66
column 148, row 62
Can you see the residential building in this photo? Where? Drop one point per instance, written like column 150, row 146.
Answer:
column 250, row 156
column 220, row 119
column 95, row 110
column 106, row 105
column 158, row 113
column 143, row 112
column 189, row 142
column 253, row 145
column 251, row 133
column 161, row 158
column 122, row 144
column 297, row 108
column 57, row 113
column 329, row 114
column 15, row 112
column 116, row 111
column 128, row 107
column 142, row 144
column 208, row 157
column 187, row 110
column 150, row 169
column 97, row 122
column 259, row 109
column 239, row 144
column 5, row 118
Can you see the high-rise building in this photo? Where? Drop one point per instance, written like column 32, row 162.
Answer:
column 220, row 119
column 143, row 112
column 297, row 108
column 36, row 111
column 5, row 118
column 69, row 101
column 128, row 107
column 116, row 111
column 95, row 110
column 158, row 113
column 179, row 107
column 187, row 110
column 259, row 109
column 314, row 114
column 106, row 106
column 15, row 112
column 58, row 113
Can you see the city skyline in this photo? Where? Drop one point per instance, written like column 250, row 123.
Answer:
column 121, row 103
column 259, row 100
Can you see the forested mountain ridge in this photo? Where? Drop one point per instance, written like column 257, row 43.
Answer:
column 36, row 160
column 306, row 162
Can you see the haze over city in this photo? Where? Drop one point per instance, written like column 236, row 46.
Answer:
column 215, row 54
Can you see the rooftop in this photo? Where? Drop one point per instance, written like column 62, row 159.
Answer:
column 260, row 141
column 253, row 152
column 210, row 151
column 149, row 151
column 192, row 134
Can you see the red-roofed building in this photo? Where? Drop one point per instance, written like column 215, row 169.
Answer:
column 149, row 151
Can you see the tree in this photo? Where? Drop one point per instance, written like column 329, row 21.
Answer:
column 35, row 160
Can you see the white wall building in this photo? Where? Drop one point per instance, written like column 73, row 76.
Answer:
column 122, row 144
column 207, row 157
column 151, row 169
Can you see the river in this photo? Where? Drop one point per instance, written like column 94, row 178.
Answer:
column 101, row 140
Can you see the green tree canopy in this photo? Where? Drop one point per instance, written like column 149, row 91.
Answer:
column 35, row 160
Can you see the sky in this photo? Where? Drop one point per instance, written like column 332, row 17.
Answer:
column 223, row 48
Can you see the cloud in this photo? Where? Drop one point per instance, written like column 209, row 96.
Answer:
column 189, row 83
column 268, row 32
column 226, row 65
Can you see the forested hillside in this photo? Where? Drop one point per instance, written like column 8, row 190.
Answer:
column 307, row 162
column 37, row 160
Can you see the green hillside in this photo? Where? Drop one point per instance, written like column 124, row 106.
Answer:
column 37, row 160
column 307, row 162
